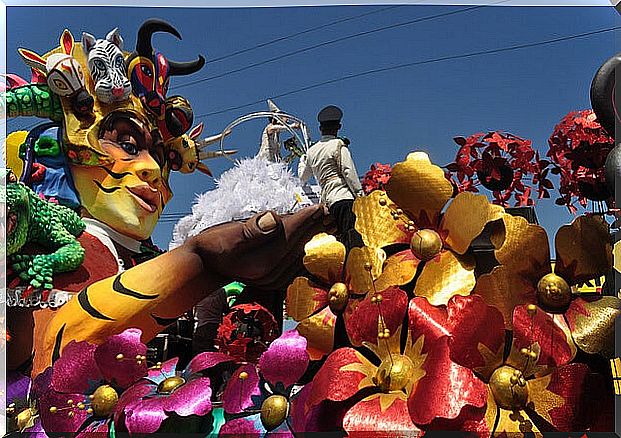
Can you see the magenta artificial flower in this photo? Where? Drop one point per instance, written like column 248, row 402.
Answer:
column 80, row 392
column 268, row 390
column 164, row 391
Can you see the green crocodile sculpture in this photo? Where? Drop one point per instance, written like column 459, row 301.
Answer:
column 30, row 219
column 31, row 100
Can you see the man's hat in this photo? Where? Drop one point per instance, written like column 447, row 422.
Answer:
column 330, row 114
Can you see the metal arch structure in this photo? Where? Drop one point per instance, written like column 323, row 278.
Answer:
column 302, row 138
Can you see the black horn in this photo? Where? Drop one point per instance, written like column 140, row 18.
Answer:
column 146, row 31
column 186, row 68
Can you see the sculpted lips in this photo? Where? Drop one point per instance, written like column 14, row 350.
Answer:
column 147, row 197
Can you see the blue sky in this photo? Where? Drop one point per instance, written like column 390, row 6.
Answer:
column 525, row 92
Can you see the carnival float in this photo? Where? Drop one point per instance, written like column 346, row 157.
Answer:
column 453, row 315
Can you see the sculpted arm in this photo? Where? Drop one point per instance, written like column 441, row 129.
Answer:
column 265, row 251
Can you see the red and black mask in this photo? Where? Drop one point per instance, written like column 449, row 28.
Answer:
column 149, row 72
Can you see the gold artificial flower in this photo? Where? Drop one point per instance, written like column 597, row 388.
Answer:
column 411, row 212
column 526, row 276
column 332, row 289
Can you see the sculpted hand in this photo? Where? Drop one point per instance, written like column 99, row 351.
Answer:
column 266, row 251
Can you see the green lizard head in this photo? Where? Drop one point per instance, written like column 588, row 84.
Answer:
column 17, row 214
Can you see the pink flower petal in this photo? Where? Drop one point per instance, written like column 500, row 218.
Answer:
column 124, row 372
column 246, row 427
column 168, row 369
column 238, row 393
column 61, row 421
column 132, row 395
column 285, row 360
column 203, row 361
column 192, row 398
column 144, row 416
column 76, row 370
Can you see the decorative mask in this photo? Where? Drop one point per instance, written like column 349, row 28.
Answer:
column 106, row 65
column 64, row 73
column 150, row 71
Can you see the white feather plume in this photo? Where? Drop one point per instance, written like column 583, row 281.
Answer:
column 251, row 186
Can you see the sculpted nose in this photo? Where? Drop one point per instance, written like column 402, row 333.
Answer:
column 117, row 91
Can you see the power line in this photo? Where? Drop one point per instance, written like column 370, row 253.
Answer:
column 413, row 64
column 333, row 41
column 296, row 34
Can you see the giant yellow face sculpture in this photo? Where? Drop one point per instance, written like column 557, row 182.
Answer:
column 127, row 191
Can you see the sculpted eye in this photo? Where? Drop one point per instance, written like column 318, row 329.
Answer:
column 118, row 61
column 146, row 70
column 99, row 64
column 130, row 148
column 60, row 84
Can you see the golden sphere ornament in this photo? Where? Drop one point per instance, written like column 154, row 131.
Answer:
column 553, row 293
column 395, row 374
column 338, row 297
column 104, row 401
column 170, row 384
column 274, row 411
column 426, row 244
column 509, row 388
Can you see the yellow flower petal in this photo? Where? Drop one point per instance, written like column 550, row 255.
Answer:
column 375, row 223
column 419, row 188
column 465, row 219
column 524, row 249
column 592, row 324
column 304, row 298
column 444, row 277
column 325, row 257
column 319, row 333
column 358, row 277
column 583, row 249
column 504, row 289
column 543, row 399
column 399, row 269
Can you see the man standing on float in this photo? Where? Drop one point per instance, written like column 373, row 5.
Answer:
column 330, row 162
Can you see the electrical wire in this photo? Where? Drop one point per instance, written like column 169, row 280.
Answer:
column 296, row 34
column 334, row 41
column 412, row 64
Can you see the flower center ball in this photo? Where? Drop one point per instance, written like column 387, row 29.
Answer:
column 104, row 401
column 274, row 411
column 509, row 388
column 170, row 384
column 337, row 297
column 426, row 244
column 395, row 374
column 553, row 292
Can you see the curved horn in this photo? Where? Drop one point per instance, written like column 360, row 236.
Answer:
column 186, row 68
column 146, row 31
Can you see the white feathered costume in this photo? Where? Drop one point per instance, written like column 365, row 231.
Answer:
column 251, row 186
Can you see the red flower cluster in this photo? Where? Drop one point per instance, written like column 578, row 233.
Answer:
column 246, row 331
column 376, row 178
column 500, row 162
column 578, row 147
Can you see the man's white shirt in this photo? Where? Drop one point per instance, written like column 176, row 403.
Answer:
column 330, row 162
